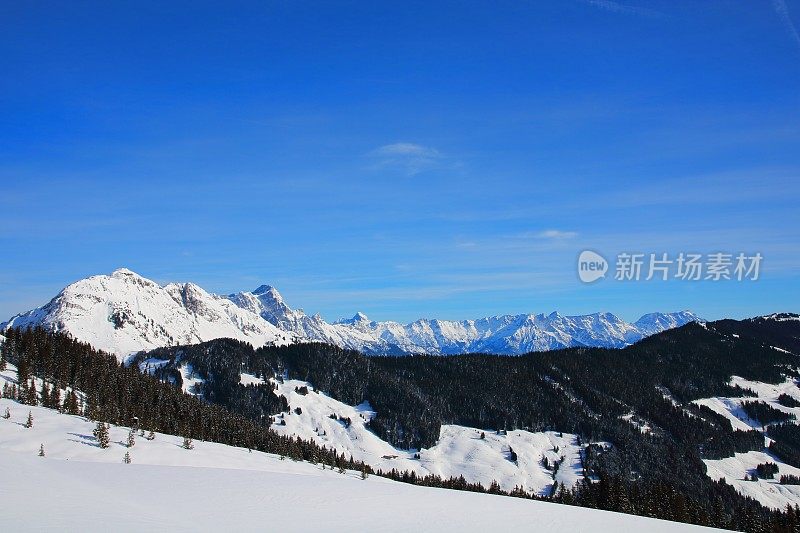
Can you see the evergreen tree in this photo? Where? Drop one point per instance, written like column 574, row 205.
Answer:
column 71, row 403
column 23, row 371
column 101, row 434
column 41, row 450
column 151, row 435
column 55, row 397
column 187, row 443
column 30, row 397
column 45, row 394
column 131, row 438
column 7, row 414
column 4, row 347
column 29, row 422
column 126, row 458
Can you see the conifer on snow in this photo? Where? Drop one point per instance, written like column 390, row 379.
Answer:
column 101, row 434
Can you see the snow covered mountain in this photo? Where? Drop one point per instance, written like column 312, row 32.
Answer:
column 506, row 334
column 653, row 323
column 124, row 313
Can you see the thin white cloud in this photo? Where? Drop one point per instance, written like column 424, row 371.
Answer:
column 616, row 7
column 409, row 157
column 556, row 235
column 783, row 12
column 406, row 149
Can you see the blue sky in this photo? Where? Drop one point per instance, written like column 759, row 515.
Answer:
column 415, row 159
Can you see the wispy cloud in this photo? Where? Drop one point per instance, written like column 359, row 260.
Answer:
column 556, row 235
column 407, row 149
column 616, row 7
column 783, row 12
column 409, row 157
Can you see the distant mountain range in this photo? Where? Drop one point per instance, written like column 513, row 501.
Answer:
column 125, row 313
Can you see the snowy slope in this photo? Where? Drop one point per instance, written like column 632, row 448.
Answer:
column 79, row 486
column 459, row 450
column 768, row 492
column 124, row 313
column 283, row 496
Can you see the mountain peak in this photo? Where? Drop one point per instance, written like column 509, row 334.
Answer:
column 685, row 314
column 270, row 291
column 124, row 272
column 651, row 323
column 264, row 289
column 358, row 318
column 128, row 276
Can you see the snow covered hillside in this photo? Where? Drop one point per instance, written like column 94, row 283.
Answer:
column 79, row 486
column 513, row 459
column 283, row 496
column 733, row 470
column 124, row 313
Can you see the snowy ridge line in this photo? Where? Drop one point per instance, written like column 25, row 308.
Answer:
column 504, row 334
column 125, row 313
